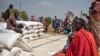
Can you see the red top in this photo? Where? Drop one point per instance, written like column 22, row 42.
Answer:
column 83, row 44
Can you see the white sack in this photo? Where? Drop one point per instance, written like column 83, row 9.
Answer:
column 40, row 33
column 28, row 23
column 26, row 41
column 3, row 25
column 36, row 31
column 15, row 50
column 3, row 30
column 35, row 27
column 41, row 30
column 5, row 52
column 31, row 31
column 23, row 53
column 30, row 38
column 9, row 39
column 26, row 36
column 30, row 27
column 25, row 32
column 40, row 27
column 24, row 46
column 33, row 35
column 1, row 48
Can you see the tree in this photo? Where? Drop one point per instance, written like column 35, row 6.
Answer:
column 15, row 10
column 49, row 20
column 84, row 14
column 24, row 15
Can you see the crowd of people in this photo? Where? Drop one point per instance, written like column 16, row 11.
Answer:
column 57, row 24
column 85, row 37
column 10, row 16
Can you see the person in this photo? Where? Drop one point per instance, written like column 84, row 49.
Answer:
column 55, row 24
column 66, row 28
column 41, row 19
column 9, row 11
column 94, row 20
column 32, row 18
column 11, row 24
column 82, row 43
column 45, row 24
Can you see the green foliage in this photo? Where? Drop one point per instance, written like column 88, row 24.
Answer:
column 49, row 20
column 24, row 15
column 15, row 10
column 84, row 14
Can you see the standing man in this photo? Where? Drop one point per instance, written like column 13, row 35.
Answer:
column 8, row 12
column 55, row 24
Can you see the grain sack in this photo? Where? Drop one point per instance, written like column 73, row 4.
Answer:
column 9, row 39
column 40, row 27
column 2, row 30
column 28, row 23
column 23, row 29
column 33, row 35
column 41, row 30
column 35, row 27
column 11, row 31
column 40, row 34
column 36, row 31
column 26, row 41
column 3, row 25
column 31, row 38
column 25, row 32
column 15, row 50
column 24, row 46
column 30, row 27
column 5, row 52
column 26, row 36
column 40, row 24
column 31, row 31
column 24, row 53
column 1, row 48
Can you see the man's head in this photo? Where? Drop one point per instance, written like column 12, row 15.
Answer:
column 78, row 23
column 11, row 6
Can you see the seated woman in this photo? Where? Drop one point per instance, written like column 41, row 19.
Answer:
column 11, row 24
column 82, row 43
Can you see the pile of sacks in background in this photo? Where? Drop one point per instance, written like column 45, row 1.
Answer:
column 32, row 30
column 16, row 44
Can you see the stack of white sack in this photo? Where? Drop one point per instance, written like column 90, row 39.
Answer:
column 10, row 39
column 32, row 30
column 15, row 51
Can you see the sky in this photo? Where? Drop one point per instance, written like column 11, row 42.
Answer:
column 48, row 7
